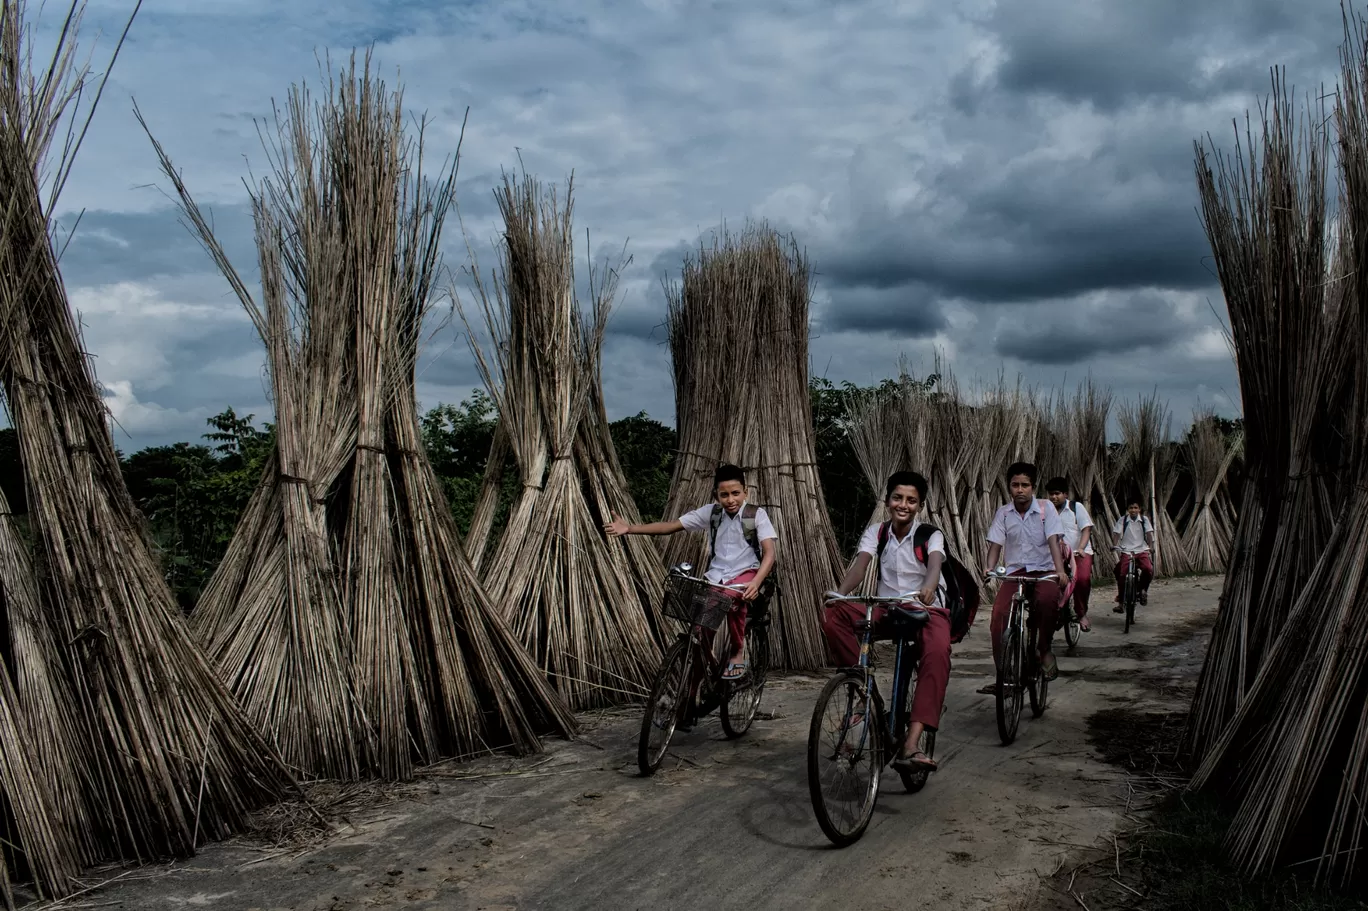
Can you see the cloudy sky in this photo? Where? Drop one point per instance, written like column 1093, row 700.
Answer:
column 1009, row 183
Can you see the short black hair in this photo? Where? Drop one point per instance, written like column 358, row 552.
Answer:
column 728, row 473
column 1135, row 499
column 907, row 479
column 1057, row 485
column 1025, row 468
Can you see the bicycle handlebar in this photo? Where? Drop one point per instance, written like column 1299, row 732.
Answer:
column 904, row 598
column 1002, row 574
column 723, row 586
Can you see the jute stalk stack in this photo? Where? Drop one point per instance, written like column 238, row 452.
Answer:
column 1279, row 718
column 1148, row 463
column 345, row 615
column 879, row 438
column 163, row 757
column 1206, row 530
column 1264, row 210
column 583, row 605
column 738, row 323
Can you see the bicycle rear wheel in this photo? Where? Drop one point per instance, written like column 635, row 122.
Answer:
column 741, row 699
column 845, row 758
column 1072, row 631
column 1009, row 696
column 668, row 700
column 1129, row 599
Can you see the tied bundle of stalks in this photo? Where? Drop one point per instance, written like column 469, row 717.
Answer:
column 1278, row 718
column 148, row 752
column 345, row 615
column 1206, row 530
column 583, row 605
column 879, row 438
column 1264, row 210
column 1148, row 462
column 738, row 324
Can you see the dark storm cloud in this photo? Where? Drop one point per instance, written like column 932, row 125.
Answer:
column 1111, row 54
column 110, row 247
column 1060, row 334
column 903, row 312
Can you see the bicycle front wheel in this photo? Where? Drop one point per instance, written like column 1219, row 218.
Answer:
column 741, row 700
column 1072, row 631
column 845, row 758
column 1009, row 684
column 666, row 706
column 1129, row 599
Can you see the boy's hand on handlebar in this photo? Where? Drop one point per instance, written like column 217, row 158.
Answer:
column 927, row 596
column 752, row 591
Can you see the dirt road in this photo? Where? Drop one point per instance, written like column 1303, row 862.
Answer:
column 728, row 824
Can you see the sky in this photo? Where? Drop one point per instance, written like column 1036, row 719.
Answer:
column 1009, row 185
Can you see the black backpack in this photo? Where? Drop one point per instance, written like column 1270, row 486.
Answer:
column 748, row 531
column 961, row 589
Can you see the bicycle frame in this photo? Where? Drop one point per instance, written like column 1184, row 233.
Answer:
column 904, row 657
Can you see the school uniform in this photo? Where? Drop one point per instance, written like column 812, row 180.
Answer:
column 1134, row 546
column 900, row 572
column 1074, row 517
column 733, row 561
column 1025, row 542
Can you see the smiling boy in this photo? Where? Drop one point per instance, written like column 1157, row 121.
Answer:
column 741, row 552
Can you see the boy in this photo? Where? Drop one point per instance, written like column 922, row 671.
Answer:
column 1078, row 527
column 1133, row 535
column 741, row 552
column 900, row 571
column 1026, row 534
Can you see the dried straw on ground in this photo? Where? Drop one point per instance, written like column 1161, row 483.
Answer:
column 583, row 605
column 1206, row 530
column 738, row 323
column 1278, row 720
column 163, row 757
column 345, row 615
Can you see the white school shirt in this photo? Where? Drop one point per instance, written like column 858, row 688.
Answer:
column 1025, row 539
column 1133, row 532
column 900, row 571
column 733, row 555
column 1074, row 525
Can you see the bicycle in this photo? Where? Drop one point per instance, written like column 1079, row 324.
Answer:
column 854, row 694
column 691, row 675
column 1019, row 659
column 1130, row 589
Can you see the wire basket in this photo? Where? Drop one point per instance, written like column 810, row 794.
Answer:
column 695, row 602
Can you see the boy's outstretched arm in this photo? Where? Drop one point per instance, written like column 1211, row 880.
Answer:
column 619, row 527
column 766, row 564
column 852, row 578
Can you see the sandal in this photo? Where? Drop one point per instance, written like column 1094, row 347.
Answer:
column 735, row 671
column 988, row 689
column 914, row 764
column 1084, row 624
column 1049, row 667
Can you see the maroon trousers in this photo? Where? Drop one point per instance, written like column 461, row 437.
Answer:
column 736, row 620
column 933, row 670
column 1082, row 584
column 1046, row 612
column 1146, row 573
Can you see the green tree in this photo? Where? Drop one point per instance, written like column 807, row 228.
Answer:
column 646, row 450
column 458, row 439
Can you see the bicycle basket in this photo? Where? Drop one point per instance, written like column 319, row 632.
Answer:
column 695, row 602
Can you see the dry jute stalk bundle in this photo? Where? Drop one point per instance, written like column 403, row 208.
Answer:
column 583, row 605
column 345, row 615
column 1278, row 720
column 116, row 737
column 738, row 326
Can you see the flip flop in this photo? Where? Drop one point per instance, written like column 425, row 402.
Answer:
column 1051, row 668
column 735, row 671
column 1086, row 629
column 988, row 689
column 913, row 764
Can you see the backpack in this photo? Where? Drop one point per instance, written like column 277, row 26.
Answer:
column 748, row 531
column 961, row 588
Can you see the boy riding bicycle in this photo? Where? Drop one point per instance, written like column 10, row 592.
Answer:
column 1078, row 529
column 1133, row 536
column 1026, row 535
column 741, row 550
column 900, row 571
